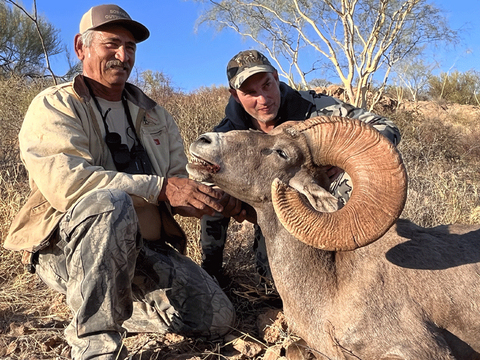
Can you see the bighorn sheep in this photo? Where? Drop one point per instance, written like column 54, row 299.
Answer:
column 413, row 294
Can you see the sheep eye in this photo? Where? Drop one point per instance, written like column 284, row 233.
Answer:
column 282, row 154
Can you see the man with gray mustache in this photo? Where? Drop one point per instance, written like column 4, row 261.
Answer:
column 119, row 64
column 107, row 170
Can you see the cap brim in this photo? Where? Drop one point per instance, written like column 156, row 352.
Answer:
column 139, row 31
column 238, row 80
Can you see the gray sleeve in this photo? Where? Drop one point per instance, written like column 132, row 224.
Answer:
column 383, row 125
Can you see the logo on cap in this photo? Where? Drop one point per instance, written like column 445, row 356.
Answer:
column 112, row 14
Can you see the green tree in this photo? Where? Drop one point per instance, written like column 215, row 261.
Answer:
column 457, row 87
column 356, row 38
column 25, row 42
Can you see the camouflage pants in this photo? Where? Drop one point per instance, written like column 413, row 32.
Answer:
column 212, row 239
column 214, row 234
column 114, row 283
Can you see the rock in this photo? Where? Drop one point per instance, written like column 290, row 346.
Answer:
column 273, row 353
column 272, row 325
column 245, row 347
column 298, row 350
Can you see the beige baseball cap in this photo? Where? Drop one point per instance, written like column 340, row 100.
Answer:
column 245, row 64
column 112, row 14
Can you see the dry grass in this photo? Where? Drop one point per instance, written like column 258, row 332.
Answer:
column 442, row 156
column 443, row 162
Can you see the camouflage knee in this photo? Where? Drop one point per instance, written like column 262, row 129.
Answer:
column 177, row 296
column 97, row 283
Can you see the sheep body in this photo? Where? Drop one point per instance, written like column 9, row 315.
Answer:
column 404, row 295
column 412, row 294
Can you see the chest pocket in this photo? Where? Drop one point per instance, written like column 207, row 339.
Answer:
column 157, row 145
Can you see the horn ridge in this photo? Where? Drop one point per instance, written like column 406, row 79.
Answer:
column 379, row 186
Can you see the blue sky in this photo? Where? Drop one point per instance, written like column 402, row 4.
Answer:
column 193, row 60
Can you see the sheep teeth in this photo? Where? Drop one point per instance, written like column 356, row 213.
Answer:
column 211, row 168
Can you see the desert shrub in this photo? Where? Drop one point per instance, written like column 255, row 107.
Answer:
column 197, row 112
column 442, row 161
column 456, row 87
column 15, row 96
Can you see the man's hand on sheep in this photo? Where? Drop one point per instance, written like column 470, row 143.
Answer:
column 190, row 198
column 232, row 207
column 240, row 211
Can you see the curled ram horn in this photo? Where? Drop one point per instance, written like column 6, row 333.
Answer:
column 379, row 185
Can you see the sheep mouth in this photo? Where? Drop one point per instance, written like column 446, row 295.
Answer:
column 200, row 165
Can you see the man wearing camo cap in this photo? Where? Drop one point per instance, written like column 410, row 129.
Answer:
column 260, row 101
column 107, row 169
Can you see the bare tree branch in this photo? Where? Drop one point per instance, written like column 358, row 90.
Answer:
column 356, row 38
column 34, row 18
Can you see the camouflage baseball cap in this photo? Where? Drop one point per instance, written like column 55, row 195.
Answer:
column 245, row 64
column 112, row 14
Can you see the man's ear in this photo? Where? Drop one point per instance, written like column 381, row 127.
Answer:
column 233, row 92
column 275, row 76
column 79, row 48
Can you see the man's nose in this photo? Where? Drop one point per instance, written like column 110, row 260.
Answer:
column 121, row 54
column 262, row 98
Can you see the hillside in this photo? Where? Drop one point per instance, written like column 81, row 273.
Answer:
column 440, row 147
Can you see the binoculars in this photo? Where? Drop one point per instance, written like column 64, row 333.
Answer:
column 134, row 161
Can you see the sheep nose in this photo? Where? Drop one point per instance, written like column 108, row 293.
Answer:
column 205, row 139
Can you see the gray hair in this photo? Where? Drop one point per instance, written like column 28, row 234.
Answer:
column 87, row 37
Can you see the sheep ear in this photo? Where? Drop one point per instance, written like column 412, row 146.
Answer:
column 379, row 186
column 319, row 198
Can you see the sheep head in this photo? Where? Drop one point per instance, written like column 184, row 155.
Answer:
column 284, row 167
